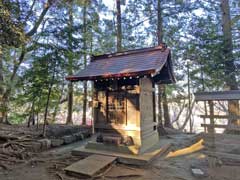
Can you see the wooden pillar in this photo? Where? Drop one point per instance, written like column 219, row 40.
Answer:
column 149, row 135
column 95, row 105
column 212, row 159
column 93, row 98
column 211, row 108
column 107, row 107
column 212, row 124
column 206, row 113
column 154, row 103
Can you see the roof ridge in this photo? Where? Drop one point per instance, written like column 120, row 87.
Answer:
column 161, row 47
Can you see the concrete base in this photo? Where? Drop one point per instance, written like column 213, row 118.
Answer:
column 148, row 140
column 142, row 159
column 113, row 148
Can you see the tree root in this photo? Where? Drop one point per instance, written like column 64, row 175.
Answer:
column 59, row 176
column 4, row 166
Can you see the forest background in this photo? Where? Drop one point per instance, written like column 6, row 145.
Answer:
column 42, row 42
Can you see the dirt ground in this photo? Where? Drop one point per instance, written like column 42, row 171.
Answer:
column 49, row 165
column 42, row 167
column 52, row 131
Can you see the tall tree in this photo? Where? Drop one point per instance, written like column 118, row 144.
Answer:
column 84, row 60
column 119, row 25
column 162, row 96
column 18, row 14
column 45, row 122
column 70, row 62
column 231, row 82
column 160, row 40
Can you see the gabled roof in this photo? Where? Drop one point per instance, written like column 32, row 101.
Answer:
column 147, row 61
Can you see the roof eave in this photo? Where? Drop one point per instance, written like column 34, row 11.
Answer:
column 109, row 76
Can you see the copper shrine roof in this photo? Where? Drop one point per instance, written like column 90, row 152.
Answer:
column 147, row 61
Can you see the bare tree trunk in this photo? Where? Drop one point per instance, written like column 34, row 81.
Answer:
column 31, row 115
column 4, row 106
column 70, row 64
column 85, row 61
column 70, row 103
column 162, row 97
column 47, row 105
column 167, row 121
column 160, row 39
column 57, row 104
column 37, row 120
column 1, row 86
column 37, row 114
column 3, row 113
column 119, row 26
column 231, row 82
column 159, row 23
column 48, row 100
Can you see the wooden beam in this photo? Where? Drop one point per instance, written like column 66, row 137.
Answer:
column 220, row 116
column 218, row 95
column 229, row 127
column 214, row 126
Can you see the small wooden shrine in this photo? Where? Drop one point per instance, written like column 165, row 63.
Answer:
column 124, row 97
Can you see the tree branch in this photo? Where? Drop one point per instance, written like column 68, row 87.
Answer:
column 30, row 11
column 188, row 116
column 180, row 112
column 40, row 19
column 16, row 66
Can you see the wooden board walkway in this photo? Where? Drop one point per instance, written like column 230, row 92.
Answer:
column 90, row 166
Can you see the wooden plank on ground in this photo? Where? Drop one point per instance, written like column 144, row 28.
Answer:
column 221, row 155
column 122, row 171
column 90, row 166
